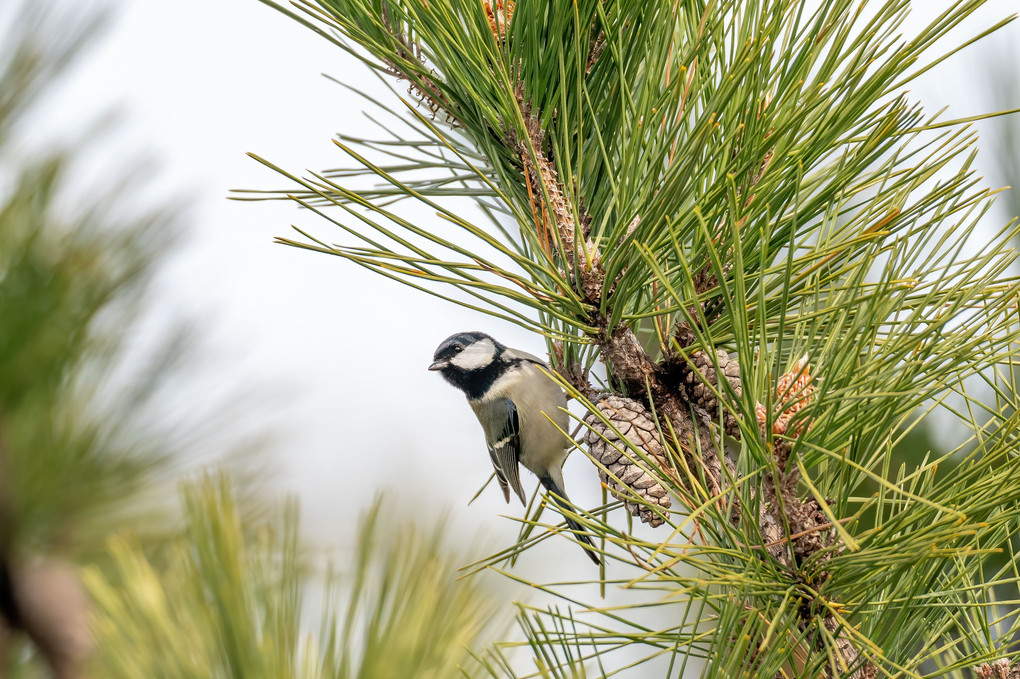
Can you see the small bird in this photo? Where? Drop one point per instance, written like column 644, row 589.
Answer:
column 521, row 410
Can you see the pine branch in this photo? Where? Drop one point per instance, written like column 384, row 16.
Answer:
column 709, row 191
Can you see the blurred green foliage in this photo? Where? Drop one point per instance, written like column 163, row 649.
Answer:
column 62, row 308
column 71, row 280
column 78, row 458
column 229, row 602
column 1003, row 143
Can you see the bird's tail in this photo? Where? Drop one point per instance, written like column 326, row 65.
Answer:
column 560, row 498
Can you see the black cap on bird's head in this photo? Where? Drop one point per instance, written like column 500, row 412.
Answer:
column 453, row 345
column 463, row 358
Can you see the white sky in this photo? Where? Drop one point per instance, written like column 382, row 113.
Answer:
column 199, row 83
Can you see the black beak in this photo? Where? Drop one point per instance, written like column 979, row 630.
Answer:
column 438, row 365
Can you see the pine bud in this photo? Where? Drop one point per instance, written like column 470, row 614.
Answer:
column 499, row 13
column 794, row 392
column 628, row 474
column 998, row 669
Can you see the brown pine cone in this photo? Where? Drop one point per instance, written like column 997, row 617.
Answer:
column 703, row 396
column 998, row 669
column 628, row 474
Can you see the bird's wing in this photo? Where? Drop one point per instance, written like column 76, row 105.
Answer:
column 502, row 426
column 525, row 356
column 500, row 476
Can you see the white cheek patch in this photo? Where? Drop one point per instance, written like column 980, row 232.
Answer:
column 475, row 356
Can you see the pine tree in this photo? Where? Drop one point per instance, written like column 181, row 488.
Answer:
column 758, row 266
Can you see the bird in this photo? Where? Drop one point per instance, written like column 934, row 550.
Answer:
column 522, row 412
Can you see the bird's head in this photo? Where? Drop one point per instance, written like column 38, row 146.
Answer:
column 462, row 357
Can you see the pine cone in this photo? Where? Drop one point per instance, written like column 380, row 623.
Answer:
column 705, row 373
column 998, row 669
column 633, row 421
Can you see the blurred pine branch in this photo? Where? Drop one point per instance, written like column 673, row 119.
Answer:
column 80, row 456
column 230, row 602
column 1003, row 84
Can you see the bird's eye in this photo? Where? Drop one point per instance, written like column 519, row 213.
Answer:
column 456, row 349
